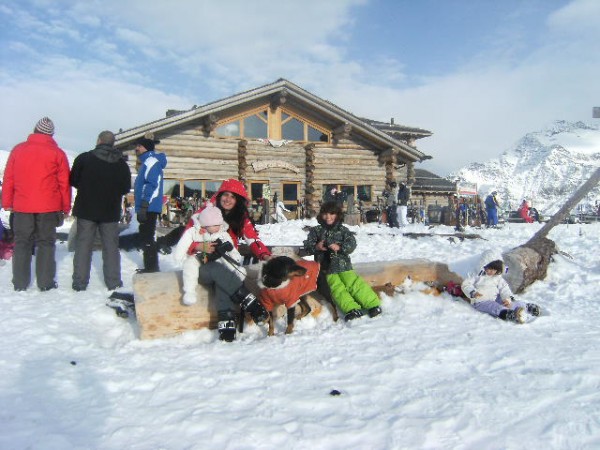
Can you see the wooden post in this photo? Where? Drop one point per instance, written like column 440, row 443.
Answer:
column 529, row 262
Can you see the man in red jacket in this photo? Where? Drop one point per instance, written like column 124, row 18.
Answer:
column 36, row 189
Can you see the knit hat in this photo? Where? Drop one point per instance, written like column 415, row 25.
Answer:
column 147, row 141
column 209, row 216
column 235, row 186
column 44, row 126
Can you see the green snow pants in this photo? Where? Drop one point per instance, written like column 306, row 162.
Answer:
column 350, row 291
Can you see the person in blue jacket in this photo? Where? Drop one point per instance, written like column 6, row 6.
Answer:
column 148, row 190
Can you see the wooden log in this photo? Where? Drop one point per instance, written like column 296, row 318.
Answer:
column 529, row 262
column 160, row 312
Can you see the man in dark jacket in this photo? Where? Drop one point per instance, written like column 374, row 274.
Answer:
column 36, row 189
column 101, row 177
column 403, row 197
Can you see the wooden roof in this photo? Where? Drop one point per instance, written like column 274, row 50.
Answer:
column 336, row 117
column 399, row 131
column 426, row 181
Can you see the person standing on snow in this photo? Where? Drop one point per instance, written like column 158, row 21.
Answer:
column 36, row 189
column 148, row 193
column 101, row 177
column 403, row 197
column 390, row 194
column 491, row 207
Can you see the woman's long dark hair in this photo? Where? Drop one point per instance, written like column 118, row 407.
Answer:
column 235, row 217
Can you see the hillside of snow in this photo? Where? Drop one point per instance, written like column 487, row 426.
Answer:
column 429, row 373
column 545, row 167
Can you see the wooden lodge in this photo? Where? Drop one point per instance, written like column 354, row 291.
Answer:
column 282, row 141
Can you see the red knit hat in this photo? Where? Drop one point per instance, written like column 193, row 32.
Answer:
column 235, row 186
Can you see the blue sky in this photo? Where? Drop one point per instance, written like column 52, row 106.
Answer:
column 478, row 74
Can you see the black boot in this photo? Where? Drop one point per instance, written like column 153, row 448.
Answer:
column 533, row 309
column 354, row 314
column 249, row 303
column 517, row 315
column 373, row 312
column 226, row 326
column 150, row 256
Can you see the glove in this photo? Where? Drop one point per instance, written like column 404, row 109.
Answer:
column 195, row 247
column 142, row 214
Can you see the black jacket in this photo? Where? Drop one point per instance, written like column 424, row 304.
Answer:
column 403, row 195
column 101, row 177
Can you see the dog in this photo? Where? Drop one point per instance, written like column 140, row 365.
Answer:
column 283, row 281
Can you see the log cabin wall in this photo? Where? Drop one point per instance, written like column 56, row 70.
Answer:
column 346, row 162
column 191, row 155
column 293, row 154
column 200, row 147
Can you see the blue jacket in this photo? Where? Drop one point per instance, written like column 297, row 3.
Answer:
column 148, row 184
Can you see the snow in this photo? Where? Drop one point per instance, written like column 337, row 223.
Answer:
column 430, row 373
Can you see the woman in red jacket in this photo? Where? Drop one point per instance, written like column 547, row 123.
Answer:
column 232, row 199
column 524, row 212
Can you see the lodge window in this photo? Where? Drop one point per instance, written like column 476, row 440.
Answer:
column 252, row 126
column 257, row 190
column 272, row 124
column 362, row 192
column 290, row 195
column 202, row 189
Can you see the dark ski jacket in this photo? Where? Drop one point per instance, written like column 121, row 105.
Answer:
column 403, row 195
column 101, row 177
column 331, row 262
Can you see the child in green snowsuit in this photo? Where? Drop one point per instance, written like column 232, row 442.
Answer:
column 331, row 243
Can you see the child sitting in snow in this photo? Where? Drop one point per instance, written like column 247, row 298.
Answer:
column 489, row 293
column 331, row 243
column 208, row 256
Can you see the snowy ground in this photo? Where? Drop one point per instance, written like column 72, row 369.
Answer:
column 430, row 373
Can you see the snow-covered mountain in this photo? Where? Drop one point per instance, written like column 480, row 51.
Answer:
column 544, row 167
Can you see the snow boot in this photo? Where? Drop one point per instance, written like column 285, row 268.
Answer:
column 533, row 309
column 517, row 315
column 374, row 312
column 226, row 326
column 354, row 314
column 250, row 304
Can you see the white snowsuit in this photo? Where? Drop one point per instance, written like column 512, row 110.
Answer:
column 493, row 289
column 190, row 263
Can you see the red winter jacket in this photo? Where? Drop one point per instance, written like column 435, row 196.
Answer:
column 289, row 292
column 524, row 212
column 36, row 178
column 248, row 232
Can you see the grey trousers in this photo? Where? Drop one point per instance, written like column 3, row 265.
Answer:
column 225, row 280
column 84, row 247
column 34, row 230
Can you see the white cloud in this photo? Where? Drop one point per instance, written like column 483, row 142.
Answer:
column 145, row 51
column 577, row 17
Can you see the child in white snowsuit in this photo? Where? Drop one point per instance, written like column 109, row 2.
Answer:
column 208, row 256
column 489, row 293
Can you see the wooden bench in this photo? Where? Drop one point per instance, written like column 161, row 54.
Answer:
column 160, row 312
